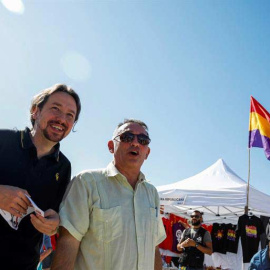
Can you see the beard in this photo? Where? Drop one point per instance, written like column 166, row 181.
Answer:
column 53, row 138
column 196, row 223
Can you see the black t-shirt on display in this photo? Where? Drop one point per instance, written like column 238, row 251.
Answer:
column 219, row 234
column 232, row 238
column 249, row 229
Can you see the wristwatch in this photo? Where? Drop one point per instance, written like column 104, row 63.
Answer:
column 196, row 245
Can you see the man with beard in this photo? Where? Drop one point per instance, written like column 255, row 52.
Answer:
column 194, row 243
column 110, row 218
column 32, row 165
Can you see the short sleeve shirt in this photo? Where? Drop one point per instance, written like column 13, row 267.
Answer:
column 118, row 227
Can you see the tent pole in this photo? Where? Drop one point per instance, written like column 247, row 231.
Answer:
column 246, row 207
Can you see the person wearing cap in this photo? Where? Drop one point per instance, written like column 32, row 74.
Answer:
column 110, row 217
column 194, row 243
column 33, row 165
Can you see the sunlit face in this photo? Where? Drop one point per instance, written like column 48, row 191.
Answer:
column 129, row 155
column 196, row 218
column 56, row 119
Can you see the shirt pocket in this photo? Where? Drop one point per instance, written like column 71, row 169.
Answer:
column 107, row 224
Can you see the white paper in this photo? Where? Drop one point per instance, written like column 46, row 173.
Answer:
column 12, row 220
column 37, row 209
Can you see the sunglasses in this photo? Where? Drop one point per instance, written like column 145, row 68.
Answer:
column 128, row 137
column 195, row 216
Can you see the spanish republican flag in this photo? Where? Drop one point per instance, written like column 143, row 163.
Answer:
column 259, row 127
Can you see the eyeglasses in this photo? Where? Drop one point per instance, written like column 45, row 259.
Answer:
column 128, row 137
column 195, row 216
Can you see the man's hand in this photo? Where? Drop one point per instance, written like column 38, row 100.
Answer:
column 207, row 249
column 47, row 224
column 188, row 243
column 13, row 200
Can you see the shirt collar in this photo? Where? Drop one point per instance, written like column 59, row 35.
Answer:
column 27, row 143
column 111, row 171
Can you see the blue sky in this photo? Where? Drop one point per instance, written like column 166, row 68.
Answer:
column 186, row 68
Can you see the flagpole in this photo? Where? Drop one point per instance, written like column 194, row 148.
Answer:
column 246, row 207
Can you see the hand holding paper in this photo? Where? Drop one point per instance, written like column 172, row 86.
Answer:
column 14, row 200
column 47, row 224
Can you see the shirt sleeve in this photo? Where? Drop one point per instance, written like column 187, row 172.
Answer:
column 238, row 227
column 207, row 237
column 261, row 227
column 161, row 231
column 161, row 234
column 253, row 265
column 75, row 208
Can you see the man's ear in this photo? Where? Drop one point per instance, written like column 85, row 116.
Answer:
column 111, row 146
column 34, row 112
column 147, row 154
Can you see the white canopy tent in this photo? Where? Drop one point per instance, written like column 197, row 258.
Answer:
column 217, row 191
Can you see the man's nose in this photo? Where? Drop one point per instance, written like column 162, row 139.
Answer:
column 61, row 117
column 135, row 141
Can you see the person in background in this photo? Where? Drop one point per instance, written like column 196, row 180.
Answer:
column 31, row 164
column 261, row 260
column 110, row 218
column 45, row 252
column 194, row 243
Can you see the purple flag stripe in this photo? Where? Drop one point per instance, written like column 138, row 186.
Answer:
column 257, row 140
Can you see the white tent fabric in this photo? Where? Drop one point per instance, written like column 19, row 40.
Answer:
column 217, row 191
column 221, row 195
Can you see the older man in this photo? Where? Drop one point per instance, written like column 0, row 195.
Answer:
column 110, row 218
column 33, row 165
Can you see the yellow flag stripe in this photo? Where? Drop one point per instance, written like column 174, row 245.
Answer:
column 260, row 123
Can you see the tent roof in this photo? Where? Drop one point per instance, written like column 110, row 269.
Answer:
column 217, row 191
column 218, row 175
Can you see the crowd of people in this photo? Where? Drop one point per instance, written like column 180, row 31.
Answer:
column 106, row 219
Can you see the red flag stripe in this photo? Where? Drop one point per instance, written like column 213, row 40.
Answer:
column 256, row 107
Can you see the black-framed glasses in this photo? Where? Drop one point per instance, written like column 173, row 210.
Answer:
column 195, row 216
column 129, row 137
